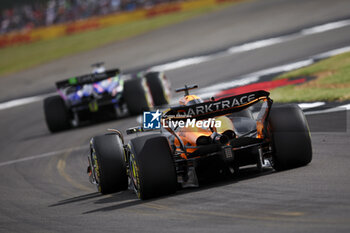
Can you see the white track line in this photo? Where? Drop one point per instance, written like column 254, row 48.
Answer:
column 311, row 105
column 233, row 50
column 345, row 107
column 325, row 27
column 23, row 101
column 332, row 53
column 252, row 46
column 181, row 63
column 48, row 154
column 207, row 92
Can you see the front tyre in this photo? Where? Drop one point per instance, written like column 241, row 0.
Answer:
column 108, row 163
column 290, row 136
column 152, row 168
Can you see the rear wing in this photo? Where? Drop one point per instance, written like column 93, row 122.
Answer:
column 216, row 108
column 88, row 78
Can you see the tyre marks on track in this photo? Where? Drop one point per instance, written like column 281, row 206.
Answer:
column 44, row 155
column 61, row 167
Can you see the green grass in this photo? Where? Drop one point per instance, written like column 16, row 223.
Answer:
column 331, row 83
column 14, row 59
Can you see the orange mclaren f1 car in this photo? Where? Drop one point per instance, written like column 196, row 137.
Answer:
column 200, row 139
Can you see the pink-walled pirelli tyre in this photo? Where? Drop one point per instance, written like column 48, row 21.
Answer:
column 109, row 163
column 290, row 136
column 152, row 167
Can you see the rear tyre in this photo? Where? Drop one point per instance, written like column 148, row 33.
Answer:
column 109, row 163
column 56, row 114
column 137, row 96
column 152, row 169
column 159, row 87
column 290, row 136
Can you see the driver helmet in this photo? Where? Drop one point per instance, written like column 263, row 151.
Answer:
column 190, row 100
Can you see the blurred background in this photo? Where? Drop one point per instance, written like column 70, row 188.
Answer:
column 28, row 14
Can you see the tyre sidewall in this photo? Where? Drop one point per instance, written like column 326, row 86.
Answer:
column 137, row 96
column 109, row 151
column 159, row 87
column 156, row 173
column 291, row 137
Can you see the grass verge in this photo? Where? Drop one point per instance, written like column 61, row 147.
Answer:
column 331, row 83
column 14, row 59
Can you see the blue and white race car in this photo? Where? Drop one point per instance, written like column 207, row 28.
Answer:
column 102, row 95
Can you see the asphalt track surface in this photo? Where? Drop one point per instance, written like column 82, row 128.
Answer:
column 50, row 191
